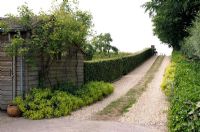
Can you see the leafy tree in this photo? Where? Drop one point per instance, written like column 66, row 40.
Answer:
column 50, row 34
column 102, row 44
column 171, row 18
column 115, row 49
column 191, row 44
column 89, row 51
column 99, row 45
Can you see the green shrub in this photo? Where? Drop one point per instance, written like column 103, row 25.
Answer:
column 184, row 112
column 112, row 69
column 168, row 79
column 94, row 91
column 67, row 87
column 191, row 44
column 46, row 103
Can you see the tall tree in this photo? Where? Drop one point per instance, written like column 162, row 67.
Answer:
column 171, row 18
column 102, row 43
column 51, row 35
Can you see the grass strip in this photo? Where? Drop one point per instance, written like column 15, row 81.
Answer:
column 116, row 108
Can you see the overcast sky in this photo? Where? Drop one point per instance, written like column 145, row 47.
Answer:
column 125, row 20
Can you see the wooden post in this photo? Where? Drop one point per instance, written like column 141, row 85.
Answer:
column 13, row 72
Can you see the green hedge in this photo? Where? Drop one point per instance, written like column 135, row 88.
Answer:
column 112, row 69
column 184, row 111
column 47, row 103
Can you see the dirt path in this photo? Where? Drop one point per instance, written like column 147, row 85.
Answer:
column 122, row 86
column 150, row 110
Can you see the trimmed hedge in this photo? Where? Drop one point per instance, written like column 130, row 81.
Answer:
column 112, row 69
column 184, row 111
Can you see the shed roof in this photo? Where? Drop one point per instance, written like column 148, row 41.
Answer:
column 15, row 27
column 12, row 26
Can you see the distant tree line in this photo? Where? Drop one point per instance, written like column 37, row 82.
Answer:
column 100, row 44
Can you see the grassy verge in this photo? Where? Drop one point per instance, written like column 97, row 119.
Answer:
column 184, row 94
column 118, row 107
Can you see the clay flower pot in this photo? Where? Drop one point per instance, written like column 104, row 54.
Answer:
column 13, row 110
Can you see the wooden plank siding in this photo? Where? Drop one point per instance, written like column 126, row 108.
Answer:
column 68, row 69
column 6, row 78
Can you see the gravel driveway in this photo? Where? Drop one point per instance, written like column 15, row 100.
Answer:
column 151, row 108
column 122, row 86
column 79, row 121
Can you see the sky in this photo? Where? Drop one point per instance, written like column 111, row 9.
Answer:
column 130, row 27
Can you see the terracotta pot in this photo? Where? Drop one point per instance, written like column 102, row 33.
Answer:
column 13, row 111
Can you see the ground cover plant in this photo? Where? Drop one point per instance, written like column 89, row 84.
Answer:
column 42, row 103
column 184, row 111
column 168, row 79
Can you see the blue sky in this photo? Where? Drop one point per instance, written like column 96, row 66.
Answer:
column 125, row 20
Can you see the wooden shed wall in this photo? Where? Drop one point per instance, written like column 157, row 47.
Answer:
column 17, row 77
column 68, row 69
column 27, row 76
column 6, row 76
